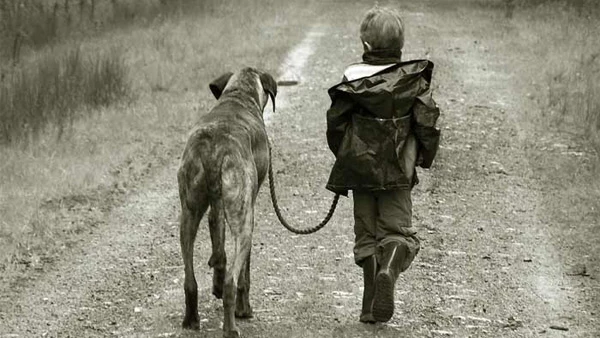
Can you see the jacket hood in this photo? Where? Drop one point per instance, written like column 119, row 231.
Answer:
column 388, row 93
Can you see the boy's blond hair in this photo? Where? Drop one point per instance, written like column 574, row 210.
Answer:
column 382, row 29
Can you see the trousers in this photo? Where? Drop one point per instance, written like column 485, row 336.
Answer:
column 381, row 217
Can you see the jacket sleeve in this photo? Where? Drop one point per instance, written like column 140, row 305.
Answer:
column 425, row 115
column 338, row 119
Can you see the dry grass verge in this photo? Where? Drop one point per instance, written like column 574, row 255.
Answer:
column 27, row 25
column 49, row 91
column 42, row 89
column 561, row 37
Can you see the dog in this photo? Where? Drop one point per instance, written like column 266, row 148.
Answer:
column 223, row 166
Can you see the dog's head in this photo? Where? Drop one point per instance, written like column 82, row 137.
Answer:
column 259, row 85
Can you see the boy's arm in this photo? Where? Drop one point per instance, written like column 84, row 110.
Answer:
column 425, row 114
column 338, row 117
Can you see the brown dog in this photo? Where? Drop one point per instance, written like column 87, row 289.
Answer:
column 223, row 166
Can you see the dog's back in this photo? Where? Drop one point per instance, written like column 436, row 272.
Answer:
column 230, row 133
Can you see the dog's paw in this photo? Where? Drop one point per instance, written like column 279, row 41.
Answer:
column 191, row 323
column 217, row 291
column 235, row 333
column 218, row 282
column 244, row 313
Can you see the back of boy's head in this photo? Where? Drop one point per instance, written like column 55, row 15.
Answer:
column 382, row 29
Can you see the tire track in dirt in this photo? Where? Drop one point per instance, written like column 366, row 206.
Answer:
column 292, row 68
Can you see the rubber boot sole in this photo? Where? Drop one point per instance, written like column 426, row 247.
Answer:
column 383, row 303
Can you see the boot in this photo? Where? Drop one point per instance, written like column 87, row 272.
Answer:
column 369, row 271
column 391, row 264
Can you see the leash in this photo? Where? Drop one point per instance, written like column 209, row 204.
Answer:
column 280, row 216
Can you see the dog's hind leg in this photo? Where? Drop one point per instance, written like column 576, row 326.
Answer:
column 238, row 212
column 190, row 218
column 242, row 307
column 241, row 253
column 218, row 260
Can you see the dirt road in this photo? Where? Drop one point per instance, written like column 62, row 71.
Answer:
column 509, row 232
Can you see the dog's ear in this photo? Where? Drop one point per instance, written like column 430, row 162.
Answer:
column 270, row 86
column 218, row 84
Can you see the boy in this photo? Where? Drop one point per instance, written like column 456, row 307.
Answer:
column 380, row 126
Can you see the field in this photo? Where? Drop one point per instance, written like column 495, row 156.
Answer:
column 97, row 98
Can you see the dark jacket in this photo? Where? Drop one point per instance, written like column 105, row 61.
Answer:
column 369, row 122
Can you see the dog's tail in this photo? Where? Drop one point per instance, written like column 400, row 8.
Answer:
column 230, row 193
column 236, row 187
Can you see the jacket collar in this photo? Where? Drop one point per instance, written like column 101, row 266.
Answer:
column 382, row 56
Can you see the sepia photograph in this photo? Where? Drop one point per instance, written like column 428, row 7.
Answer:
column 299, row 168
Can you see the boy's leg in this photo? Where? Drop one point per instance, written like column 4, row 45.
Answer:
column 365, row 224
column 398, row 246
column 370, row 267
column 394, row 224
column 365, row 216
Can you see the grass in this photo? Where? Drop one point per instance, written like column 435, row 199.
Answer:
column 562, row 36
column 34, row 24
column 168, row 66
column 47, row 94
column 41, row 90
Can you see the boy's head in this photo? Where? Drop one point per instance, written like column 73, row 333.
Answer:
column 382, row 29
